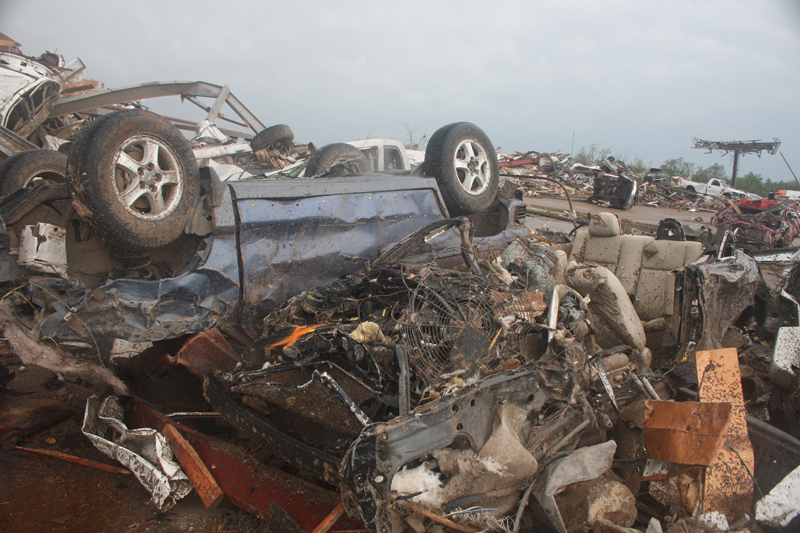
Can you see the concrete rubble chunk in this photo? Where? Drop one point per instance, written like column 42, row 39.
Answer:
column 585, row 504
column 583, row 464
column 782, row 504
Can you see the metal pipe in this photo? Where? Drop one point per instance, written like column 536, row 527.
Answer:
column 790, row 167
column 337, row 390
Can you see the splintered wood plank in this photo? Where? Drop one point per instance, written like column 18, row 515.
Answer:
column 204, row 483
column 728, row 484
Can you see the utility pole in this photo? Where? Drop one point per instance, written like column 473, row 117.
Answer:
column 572, row 148
column 790, row 168
column 738, row 147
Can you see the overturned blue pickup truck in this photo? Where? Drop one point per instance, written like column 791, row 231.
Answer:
column 140, row 244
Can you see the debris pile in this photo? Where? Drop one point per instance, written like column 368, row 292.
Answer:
column 482, row 397
column 761, row 224
column 344, row 355
column 576, row 177
column 666, row 193
column 612, row 184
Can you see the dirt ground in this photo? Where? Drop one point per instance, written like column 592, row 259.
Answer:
column 38, row 493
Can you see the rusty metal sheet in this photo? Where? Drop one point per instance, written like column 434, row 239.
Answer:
column 312, row 401
column 729, row 484
column 207, row 351
column 248, row 483
column 688, row 433
column 267, row 434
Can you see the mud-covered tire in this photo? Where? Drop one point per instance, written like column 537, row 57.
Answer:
column 133, row 179
column 280, row 134
column 32, row 168
column 336, row 160
column 670, row 229
column 461, row 158
column 618, row 203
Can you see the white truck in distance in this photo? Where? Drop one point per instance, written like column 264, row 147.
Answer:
column 714, row 187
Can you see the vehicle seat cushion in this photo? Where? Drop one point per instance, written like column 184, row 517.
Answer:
column 578, row 249
column 629, row 265
column 604, row 225
column 655, row 293
column 642, row 264
column 603, row 251
column 600, row 243
column 670, row 255
column 611, row 312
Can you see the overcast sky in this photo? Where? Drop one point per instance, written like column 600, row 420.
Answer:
column 640, row 78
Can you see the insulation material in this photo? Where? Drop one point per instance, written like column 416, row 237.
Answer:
column 145, row 452
column 368, row 332
column 421, row 482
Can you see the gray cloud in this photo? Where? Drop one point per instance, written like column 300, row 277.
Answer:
column 640, row 78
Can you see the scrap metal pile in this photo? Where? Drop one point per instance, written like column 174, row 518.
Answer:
column 611, row 184
column 608, row 184
column 509, row 393
column 761, row 224
column 486, row 397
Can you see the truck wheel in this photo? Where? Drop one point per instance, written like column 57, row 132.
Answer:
column 690, row 189
column 461, row 158
column 133, row 179
column 278, row 134
column 337, row 159
column 32, row 168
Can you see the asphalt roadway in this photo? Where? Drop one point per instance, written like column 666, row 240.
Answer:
column 642, row 214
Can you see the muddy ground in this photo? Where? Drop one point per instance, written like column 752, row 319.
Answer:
column 38, row 493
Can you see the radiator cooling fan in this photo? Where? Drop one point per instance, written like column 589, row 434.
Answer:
column 456, row 324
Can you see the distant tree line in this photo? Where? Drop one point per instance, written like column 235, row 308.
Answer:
column 750, row 182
